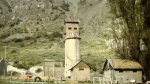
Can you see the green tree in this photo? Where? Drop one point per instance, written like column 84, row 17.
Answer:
column 136, row 16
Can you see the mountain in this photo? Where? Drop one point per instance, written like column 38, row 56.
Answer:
column 32, row 30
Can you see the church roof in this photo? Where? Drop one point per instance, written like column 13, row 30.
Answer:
column 72, row 35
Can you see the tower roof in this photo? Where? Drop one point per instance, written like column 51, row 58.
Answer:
column 72, row 35
column 71, row 20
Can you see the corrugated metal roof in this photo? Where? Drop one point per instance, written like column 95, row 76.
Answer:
column 124, row 64
column 71, row 20
column 72, row 35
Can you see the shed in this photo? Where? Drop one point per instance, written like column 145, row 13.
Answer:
column 80, row 71
column 48, row 67
column 123, row 70
column 3, row 67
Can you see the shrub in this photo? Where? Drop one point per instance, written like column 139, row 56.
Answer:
column 82, row 1
column 63, row 12
column 13, row 51
column 22, row 45
column 65, row 6
column 4, row 35
column 54, row 7
column 50, row 1
column 17, row 40
column 56, row 17
column 56, row 34
column 27, row 38
column 52, row 13
column 52, row 39
column 2, row 25
column 37, row 35
column 22, row 65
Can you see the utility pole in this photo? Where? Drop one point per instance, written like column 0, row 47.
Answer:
column 5, row 50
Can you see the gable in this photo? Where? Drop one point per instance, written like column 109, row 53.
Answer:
column 80, row 64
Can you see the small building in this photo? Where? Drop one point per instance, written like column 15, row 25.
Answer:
column 51, row 70
column 80, row 71
column 123, row 70
column 48, row 67
column 3, row 67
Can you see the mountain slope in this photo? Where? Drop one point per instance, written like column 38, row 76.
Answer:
column 40, row 25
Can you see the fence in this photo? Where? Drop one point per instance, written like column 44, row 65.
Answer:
column 15, row 82
column 102, row 80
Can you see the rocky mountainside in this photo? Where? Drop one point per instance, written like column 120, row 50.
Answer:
column 33, row 29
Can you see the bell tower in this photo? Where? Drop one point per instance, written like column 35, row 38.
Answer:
column 72, row 44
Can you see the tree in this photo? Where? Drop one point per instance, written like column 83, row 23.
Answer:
column 135, row 15
column 146, row 36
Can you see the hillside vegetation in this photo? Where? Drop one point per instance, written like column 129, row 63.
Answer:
column 32, row 30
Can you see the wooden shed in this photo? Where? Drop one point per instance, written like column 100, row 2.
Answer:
column 48, row 67
column 80, row 71
column 123, row 70
column 3, row 67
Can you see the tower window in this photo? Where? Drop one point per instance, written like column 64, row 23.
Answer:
column 120, row 70
column 134, row 71
column 69, row 28
column 75, row 28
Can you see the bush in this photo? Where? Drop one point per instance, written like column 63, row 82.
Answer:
column 54, row 7
column 82, row 1
column 63, row 12
column 65, row 6
column 2, row 25
column 37, row 35
column 22, row 45
column 27, row 38
column 22, row 65
column 54, row 36
column 13, row 51
column 50, row 1
column 17, row 40
column 4, row 35
column 56, row 17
